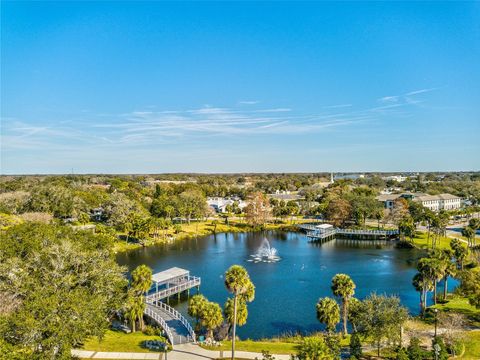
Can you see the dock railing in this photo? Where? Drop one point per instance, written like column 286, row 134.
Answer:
column 192, row 281
column 177, row 315
column 162, row 323
column 313, row 231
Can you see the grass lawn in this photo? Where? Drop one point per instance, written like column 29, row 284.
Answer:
column 119, row 341
column 472, row 346
column 461, row 305
column 202, row 228
column 421, row 238
column 274, row 347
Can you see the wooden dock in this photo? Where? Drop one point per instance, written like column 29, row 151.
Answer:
column 168, row 283
column 318, row 234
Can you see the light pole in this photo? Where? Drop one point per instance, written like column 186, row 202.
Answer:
column 436, row 312
column 437, row 349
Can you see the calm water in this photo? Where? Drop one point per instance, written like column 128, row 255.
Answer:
column 286, row 291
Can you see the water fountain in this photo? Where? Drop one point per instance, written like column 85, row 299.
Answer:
column 265, row 253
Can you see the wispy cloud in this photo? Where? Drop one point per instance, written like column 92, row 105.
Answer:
column 389, row 99
column 337, row 106
column 408, row 97
column 152, row 127
column 421, row 91
column 249, row 102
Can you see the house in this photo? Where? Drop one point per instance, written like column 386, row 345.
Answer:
column 388, row 200
column 397, row 178
column 220, row 204
column 285, row 196
column 440, row 202
column 432, row 202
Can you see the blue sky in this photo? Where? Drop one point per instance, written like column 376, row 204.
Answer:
column 120, row 87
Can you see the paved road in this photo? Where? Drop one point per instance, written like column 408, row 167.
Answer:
column 180, row 352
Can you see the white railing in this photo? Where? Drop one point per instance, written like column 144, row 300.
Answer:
column 161, row 294
column 367, row 232
column 175, row 314
column 312, row 230
column 321, row 234
column 155, row 316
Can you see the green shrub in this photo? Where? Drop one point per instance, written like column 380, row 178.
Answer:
column 415, row 352
column 442, row 352
column 402, row 354
column 149, row 330
column 355, row 346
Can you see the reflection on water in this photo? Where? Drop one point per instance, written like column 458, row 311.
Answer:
column 286, row 291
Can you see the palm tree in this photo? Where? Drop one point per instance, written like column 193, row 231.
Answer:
column 242, row 312
column 354, row 312
column 237, row 281
column 420, row 283
column 211, row 317
column 460, row 252
column 328, row 313
column 439, row 267
column 140, row 284
column 449, row 269
column 430, row 218
column 195, row 307
column 134, row 309
column 469, row 233
column 141, row 278
column 343, row 287
column 431, row 270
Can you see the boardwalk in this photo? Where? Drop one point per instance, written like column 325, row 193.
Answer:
column 168, row 283
column 178, row 329
column 317, row 233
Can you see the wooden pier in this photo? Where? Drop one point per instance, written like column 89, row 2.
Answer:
column 171, row 282
column 326, row 232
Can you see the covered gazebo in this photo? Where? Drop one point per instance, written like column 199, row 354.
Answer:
column 169, row 278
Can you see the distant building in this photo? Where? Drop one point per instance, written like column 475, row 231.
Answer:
column 388, row 200
column 440, row 202
column 285, row 196
column 432, row 202
column 397, row 178
column 220, row 204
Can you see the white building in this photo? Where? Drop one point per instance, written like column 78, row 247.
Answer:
column 432, row 202
column 220, row 204
column 397, row 178
column 440, row 202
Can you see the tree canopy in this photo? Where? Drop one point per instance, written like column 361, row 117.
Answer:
column 57, row 287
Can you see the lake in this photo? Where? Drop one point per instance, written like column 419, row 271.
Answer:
column 286, row 291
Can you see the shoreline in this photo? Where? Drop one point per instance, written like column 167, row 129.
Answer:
column 206, row 228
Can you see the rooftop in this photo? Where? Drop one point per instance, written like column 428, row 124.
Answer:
column 169, row 274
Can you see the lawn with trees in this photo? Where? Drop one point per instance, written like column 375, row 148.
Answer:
column 61, row 288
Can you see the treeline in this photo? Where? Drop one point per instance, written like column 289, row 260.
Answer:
column 57, row 288
column 124, row 201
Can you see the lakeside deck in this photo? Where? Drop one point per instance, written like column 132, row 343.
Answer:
column 326, row 232
column 168, row 283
